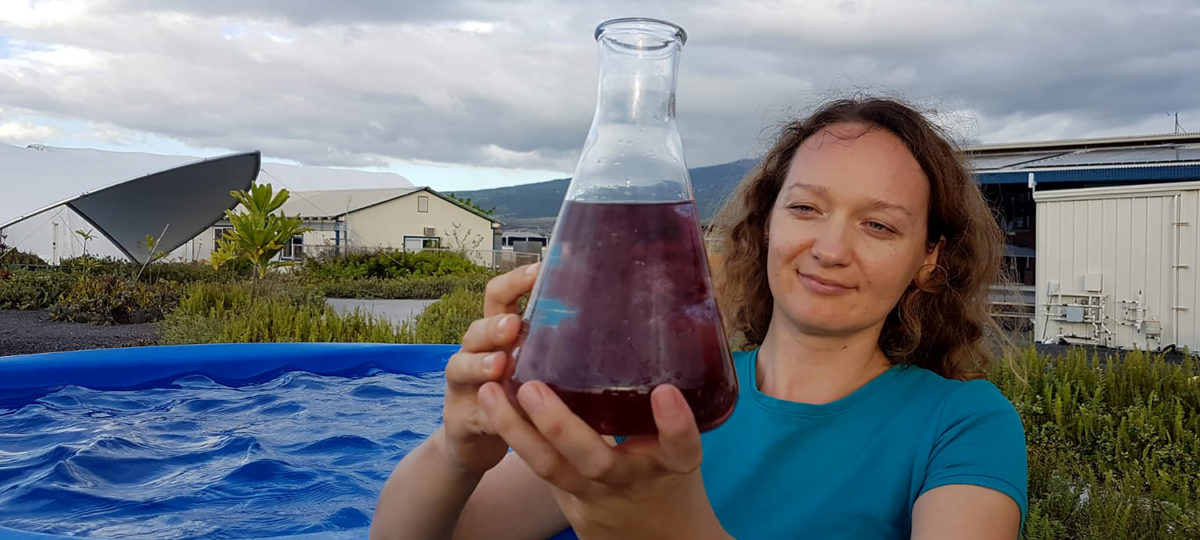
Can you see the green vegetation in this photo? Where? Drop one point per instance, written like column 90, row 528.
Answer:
column 418, row 287
column 258, row 233
column 389, row 264
column 110, row 300
column 446, row 320
column 30, row 289
column 1114, row 450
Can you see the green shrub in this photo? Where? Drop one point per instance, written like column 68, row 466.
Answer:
column 180, row 272
column 92, row 265
column 10, row 256
column 1113, row 445
column 413, row 288
column 32, row 289
column 389, row 263
column 110, row 300
column 446, row 320
column 277, row 321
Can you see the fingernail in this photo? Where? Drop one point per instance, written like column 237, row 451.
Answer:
column 533, row 399
column 505, row 321
column 487, row 396
column 665, row 401
column 489, row 361
column 532, row 269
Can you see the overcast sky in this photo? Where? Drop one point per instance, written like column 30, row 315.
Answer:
column 459, row 94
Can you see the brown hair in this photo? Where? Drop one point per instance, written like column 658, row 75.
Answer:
column 941, row 327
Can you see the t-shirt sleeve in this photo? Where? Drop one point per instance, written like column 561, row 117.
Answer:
column 980, row 442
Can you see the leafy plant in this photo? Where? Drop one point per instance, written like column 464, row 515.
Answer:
column 11, row 256
column 412, row 288
column 446, row 320
column 1114, row 450
column 32, row 289
column 258, row 233
column 110, row 300
column 390, row 263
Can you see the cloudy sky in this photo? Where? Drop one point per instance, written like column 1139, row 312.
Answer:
column 461, row 94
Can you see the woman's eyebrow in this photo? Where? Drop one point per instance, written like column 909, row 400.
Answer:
column 872, row 204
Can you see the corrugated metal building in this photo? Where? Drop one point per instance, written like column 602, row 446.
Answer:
column 1117, row 266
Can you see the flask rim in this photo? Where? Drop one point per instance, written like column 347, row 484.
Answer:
column 667, row 28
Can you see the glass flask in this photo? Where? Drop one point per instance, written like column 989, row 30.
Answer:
column 624, row 300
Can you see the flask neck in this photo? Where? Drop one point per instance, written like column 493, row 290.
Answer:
column 637, row 82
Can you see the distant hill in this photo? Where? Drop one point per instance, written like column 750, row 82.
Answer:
column 532, row 204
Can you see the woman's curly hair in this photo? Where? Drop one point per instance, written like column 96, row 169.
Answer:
column 941, row 326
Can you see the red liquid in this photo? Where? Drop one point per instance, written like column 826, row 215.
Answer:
column 624, row 303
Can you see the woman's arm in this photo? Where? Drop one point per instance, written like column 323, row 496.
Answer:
column 965, row 511
column 428, row 497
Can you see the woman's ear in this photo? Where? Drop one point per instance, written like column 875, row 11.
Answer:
column 933, row 249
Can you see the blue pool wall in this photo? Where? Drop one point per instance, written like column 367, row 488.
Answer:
column 232, row 363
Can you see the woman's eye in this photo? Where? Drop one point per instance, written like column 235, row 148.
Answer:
column 877, row 226
column 802, row 208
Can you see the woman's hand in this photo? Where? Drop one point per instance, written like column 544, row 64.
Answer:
column 646, row 487
column 468, row 436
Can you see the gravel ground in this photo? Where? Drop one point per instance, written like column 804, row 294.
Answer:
column 26, row 332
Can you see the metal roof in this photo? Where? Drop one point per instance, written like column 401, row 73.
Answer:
column 336, row 203
column 1156, row 158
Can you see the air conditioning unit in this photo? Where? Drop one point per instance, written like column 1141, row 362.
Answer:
column 430, row 231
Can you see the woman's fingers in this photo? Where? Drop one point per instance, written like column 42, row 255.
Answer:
column 504, row 292
column 474, row 369
column 680, row 449
column 491, row 334
column 526, row 441
column 570, row 436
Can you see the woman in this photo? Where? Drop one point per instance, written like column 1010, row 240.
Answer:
column 858, row 258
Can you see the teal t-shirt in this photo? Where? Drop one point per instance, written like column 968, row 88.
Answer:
column 854, row 468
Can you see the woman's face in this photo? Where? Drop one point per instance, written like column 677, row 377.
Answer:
column 847, row 233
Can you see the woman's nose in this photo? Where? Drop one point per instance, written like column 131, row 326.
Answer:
column 832, row 246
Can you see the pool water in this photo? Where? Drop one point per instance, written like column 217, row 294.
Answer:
column 296, row 453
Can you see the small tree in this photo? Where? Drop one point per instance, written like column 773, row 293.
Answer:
column 258, row 234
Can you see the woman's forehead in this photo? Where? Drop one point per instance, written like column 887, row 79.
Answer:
column 854, row 159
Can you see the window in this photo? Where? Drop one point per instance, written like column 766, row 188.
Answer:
column 294, row 250
column 422, row 203
column 218, row 233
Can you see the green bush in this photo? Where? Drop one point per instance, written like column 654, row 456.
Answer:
column 111, row 300
column 206, row 309
column 389, row 263
column 10, row 256
column 446, row 320
column 277, row 321
column 1113, row 445
column 32, row 289
column 415, row 287
column 180, row 272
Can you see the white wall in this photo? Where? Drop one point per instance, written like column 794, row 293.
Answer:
column 387, row 224
column 1128, row 236
column 37, row 235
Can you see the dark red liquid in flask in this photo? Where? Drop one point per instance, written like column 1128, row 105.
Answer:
column 624, row 300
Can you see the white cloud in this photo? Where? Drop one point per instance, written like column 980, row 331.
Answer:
column 25, row 133
column 512, row 84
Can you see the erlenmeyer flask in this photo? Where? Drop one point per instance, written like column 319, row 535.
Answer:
column 624, row 301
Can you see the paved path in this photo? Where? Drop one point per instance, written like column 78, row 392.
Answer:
column 396, row 311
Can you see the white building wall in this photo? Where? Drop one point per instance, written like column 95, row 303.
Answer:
column 51, row 235
column 386, row 225
column 1128, row 237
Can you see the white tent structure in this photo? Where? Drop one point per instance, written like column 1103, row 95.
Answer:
column 120, row 198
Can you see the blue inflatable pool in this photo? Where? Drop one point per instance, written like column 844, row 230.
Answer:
column 121, row 399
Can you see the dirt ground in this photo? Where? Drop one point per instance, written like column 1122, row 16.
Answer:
column 26, row 332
